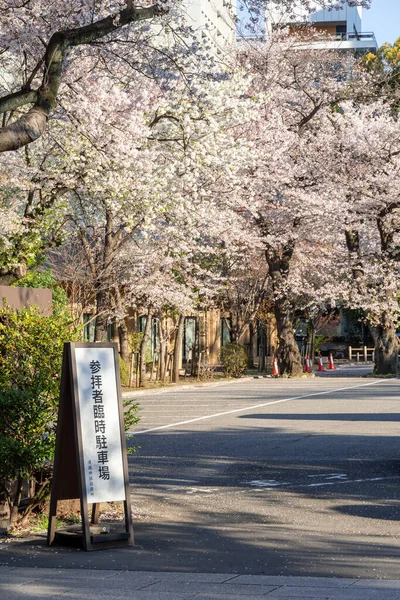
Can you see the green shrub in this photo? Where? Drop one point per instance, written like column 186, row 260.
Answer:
column 124, row 371
column 318, row 340
column 31, row 349
column 233, row 359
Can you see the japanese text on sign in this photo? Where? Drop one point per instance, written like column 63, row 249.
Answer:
column 100, row 427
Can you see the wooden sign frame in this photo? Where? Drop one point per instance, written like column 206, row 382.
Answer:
column 69, row 481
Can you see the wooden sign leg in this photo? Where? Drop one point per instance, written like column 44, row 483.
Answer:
column 52, row 520
column 95, row 513
column 87, row 544
column 128, row 522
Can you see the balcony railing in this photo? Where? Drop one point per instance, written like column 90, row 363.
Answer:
column 322, row 37
column 347, row 37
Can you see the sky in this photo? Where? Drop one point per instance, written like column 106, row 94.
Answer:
column 383, row 18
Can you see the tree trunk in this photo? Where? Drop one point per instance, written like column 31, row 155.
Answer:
column 386, row 346
column 289, row 358
column 278, row 261
column 100, row 331
column 251, row 344
column 235, row 327
column 163, row 360
column 102, row 296
column 163, row 349
column 123, row 341
column 143, row 348
column 16, row 501
column 124, row 347
column 178, row 349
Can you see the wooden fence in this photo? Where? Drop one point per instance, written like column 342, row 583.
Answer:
column 363, row 354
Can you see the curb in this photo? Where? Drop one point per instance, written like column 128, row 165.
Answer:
column 179, row 387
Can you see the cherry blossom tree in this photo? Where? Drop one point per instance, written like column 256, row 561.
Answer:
column 289, row 193
column 32, row 217
column 315, row 188
column 142, row 206
column 43, row 45
column 368, row 163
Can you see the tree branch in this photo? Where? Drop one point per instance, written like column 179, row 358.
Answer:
column 21, row 98
column 30, row 126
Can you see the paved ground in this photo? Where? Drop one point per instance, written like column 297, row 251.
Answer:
column 346, row 369
column 83, row 584
column 272, row 479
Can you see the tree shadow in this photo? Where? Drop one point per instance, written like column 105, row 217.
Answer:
column 179, row 472
column 256, row 500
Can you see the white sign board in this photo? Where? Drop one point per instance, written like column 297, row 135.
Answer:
column 100, row 424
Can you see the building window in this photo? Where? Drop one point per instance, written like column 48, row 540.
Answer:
column 190, row 342
column 89, row 326
column 341, row 31
column 154, row 339
column 110, row 332
column 261, row 339
column 226, row 331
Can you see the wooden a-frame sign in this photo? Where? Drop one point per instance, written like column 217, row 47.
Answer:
column 90, row 461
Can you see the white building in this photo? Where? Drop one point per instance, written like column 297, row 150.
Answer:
column 340, row 28
column 214, row 20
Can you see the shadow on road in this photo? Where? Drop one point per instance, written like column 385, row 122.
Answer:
column 302, row 499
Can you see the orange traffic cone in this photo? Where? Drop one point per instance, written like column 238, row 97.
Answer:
column 307, row 365
column 331, row 366
column 321, row 364
column 275, row 370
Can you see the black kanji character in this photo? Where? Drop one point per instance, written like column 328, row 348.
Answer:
column 101, row 442
column 98, row 411
column 96, row 381
column 100, row 426
column 97, row 396
column 102, row 457
column 95, row 366
column 104, row 473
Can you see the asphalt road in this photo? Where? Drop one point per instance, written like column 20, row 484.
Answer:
column 260, row 476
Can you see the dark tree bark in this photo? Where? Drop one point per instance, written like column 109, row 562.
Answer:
column 163, row 349
column 124, row 348
column 386, row 341
column 102, row 306
column 288, row 354
column 289, row 358
column 178, row 348
column 235, row 320
column 386, row 346
column 143, row 348
column 16, row 500
column 103, row 295
column 384, row 334
column 251, row 344
column 353, row 246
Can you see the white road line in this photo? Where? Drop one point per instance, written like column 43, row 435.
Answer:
column 259, row 486
column 347, row 481
column 247, row 408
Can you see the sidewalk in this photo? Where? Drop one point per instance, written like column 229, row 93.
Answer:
column 178, row 387
column 347, row 370
column 84, row 584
